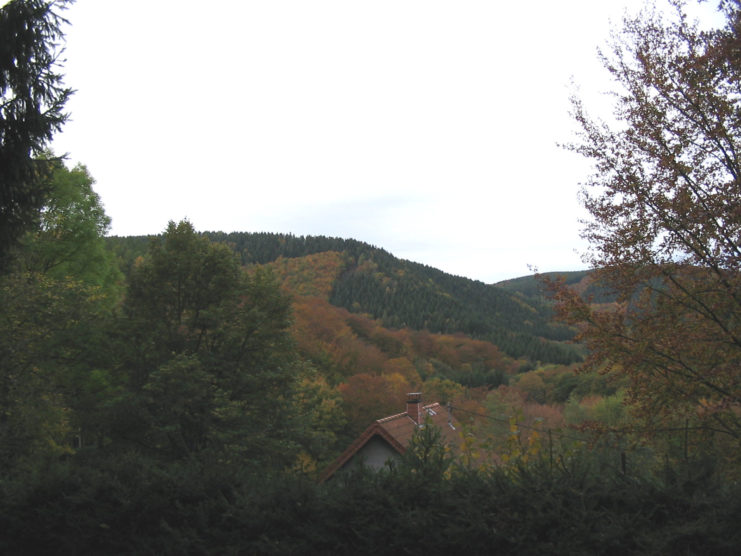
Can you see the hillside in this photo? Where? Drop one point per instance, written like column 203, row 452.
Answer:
column 399, row 294
column 531, row 287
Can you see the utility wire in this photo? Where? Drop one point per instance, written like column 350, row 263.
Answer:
column 624, row 431
column 518, row 424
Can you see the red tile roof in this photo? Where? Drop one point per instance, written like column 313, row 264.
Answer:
column 397, row 431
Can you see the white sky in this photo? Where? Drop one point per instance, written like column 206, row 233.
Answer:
column 427, row 128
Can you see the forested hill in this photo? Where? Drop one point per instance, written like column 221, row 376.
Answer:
column 402, row 293
column 531, row 287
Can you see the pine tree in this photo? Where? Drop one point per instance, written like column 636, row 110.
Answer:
column 32, row 99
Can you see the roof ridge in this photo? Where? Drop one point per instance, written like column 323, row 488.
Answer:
column 391, row 417
column 399, row 415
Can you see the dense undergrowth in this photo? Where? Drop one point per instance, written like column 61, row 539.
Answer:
column 426, row 504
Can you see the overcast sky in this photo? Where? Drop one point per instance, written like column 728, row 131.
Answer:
column 427, row 128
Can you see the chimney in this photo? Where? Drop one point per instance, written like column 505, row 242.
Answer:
column 414, row 407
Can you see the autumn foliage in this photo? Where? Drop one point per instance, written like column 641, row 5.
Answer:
column 665, row 225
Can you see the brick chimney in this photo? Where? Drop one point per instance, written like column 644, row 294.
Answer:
column 414, row 407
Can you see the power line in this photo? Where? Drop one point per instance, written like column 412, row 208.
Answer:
column 518, row 424
column 620, row 431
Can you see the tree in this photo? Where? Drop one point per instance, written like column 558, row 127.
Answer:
column 56, row 304
column 50, row 335
column 32, row 99
column 369, row 397
column 665, row 228
column 69, row 239
column 207, row 354
column 172, row 290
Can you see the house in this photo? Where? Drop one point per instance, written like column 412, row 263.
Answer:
column 387, row 439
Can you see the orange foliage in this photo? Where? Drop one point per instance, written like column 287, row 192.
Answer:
column 455, row 350
column 321, row 331
column 591, row 401
column 543, row 416
column 311, row 275
column 402, row 366
column 392, row 342
column 369, row 397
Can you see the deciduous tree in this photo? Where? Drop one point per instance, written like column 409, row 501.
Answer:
column 207, row 353
column 665, row 227
column 49, row 335
column 69, row 239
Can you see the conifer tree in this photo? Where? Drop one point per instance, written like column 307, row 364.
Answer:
column 32, row 100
